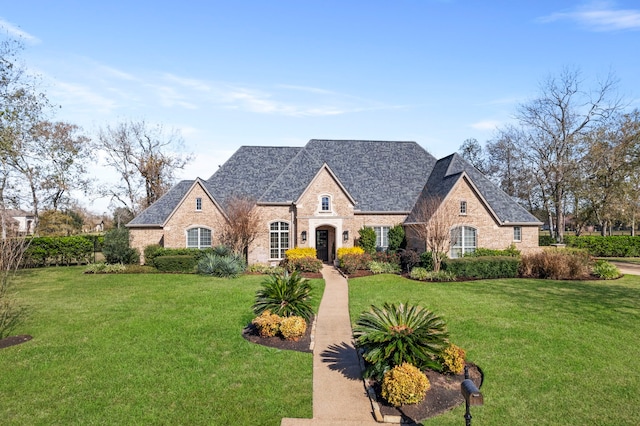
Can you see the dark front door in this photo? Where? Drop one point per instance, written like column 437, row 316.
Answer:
column 322, row 244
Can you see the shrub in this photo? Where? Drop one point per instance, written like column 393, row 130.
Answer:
column 351, row 263
column 300, row 253
column 229, row 266
column 383, row 267
column 46, row 251
column 385, row 257
column 404, row 384
column 426, row 260
column 103, row 268
column 453, row 359
column 423, row 274
column 511, row 251
column 396, row 238
column 293, row 327
column 261, row 268
column 557, row 264
column 605, row 270
column 151, row 252
column 409, row 259
column 484, row 267
column 545, row 240
column 268, row 324
column 367, row 239
column 609, row 246
column 392, row 335
column 349, row 250
column 181, row 263
column 302, row 264
column 116, row 247
column 286, row 295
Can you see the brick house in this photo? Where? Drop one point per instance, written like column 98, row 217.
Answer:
column 321, row 194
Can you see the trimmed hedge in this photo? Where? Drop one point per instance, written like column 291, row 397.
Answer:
column 545, row 240
column 72, row 250
column 484, row 267
column 154, row 251
column 185, row 263
column 609, row 246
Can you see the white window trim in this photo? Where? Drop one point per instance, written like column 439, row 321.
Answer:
column 463, row 246
column 330, row 198
column 466, row 207
column 382, row 238
column 280, row 249
column 199, row 204
column 200, row 245
column 519, row 239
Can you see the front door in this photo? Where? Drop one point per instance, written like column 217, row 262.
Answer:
column 322, row 244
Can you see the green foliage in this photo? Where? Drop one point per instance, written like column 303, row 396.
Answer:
column 546, row 240
column 609, row 246
column 484, row 252
column 556, row 264
column 484, row 267
column 229, row 266
column 383, row 267
column 605, row 270
column 261, row 268
column 396, row 238
column 116, row 247
column 404, row 384
column 151, row 252
column 422, row 274
column 285, row 295
column 162, row 251
column 392, row 335
column 179, row 263
column 367, row 239
column 350, row 263
column 268, row 324
column 453, row 359
column 426, row 260
column 293, row 327
column 302, row 264
column 221, row 250
column 47, row 251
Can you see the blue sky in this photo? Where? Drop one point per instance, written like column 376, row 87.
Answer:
column 228, row 74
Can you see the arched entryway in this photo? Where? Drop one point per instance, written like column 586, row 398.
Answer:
column 326, row 243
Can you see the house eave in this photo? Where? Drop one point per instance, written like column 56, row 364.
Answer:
column 391, row 212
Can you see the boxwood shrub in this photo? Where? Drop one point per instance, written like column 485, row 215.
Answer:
column 609, row 246
column 484, row 267
column 184, row 263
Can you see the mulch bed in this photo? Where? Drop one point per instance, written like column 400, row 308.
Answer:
column 14, row 340
column 250, row 333
column 443, row 396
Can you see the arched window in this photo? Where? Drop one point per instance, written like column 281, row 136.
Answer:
column 278, row 239
column 463, row 240
column 198, row 238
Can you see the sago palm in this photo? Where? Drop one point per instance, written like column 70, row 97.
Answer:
column 286, row 295
column 392, row 335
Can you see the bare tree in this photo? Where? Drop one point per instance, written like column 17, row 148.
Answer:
column 472, row 151
column 242, row 226
column 145, row 158
column 555, row 125
column 432, row 221
column 11, row 252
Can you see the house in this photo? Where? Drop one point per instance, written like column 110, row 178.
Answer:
column 18, row 221
column 321, row 194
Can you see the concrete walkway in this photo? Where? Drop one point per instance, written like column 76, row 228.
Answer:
column 339, row 395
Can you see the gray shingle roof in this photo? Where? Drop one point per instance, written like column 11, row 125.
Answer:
column 381, row 176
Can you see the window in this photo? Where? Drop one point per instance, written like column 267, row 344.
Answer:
column 278, row 239
column 463, row 207
column 463, row 241
column 517, row 233
column 198, row 238
column 198, row 204
column 382, row 236
column 325, row 204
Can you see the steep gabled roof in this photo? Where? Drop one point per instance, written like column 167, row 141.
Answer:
column 449, row 170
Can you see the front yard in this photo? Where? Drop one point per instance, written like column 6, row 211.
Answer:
column 552, row 352
column 146, row 349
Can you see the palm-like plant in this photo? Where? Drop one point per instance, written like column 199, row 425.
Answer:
column 392, row 335
column 285, row 295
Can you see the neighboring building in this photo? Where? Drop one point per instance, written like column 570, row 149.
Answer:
column 321, row 194
column 19, row 221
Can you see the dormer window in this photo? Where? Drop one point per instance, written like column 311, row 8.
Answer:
column 198, row 204
column 325, row 204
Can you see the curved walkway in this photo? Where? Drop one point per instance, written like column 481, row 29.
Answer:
column 627, row 268
column 339, row 395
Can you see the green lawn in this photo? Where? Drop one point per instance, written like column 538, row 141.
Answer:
column 553, row 352
column 146, row 349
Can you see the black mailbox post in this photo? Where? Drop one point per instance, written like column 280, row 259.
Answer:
column 471, row 394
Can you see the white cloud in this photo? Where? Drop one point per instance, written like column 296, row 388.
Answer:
column 599, row 16
column 84, row 97
column 486, row 125
column 15, row 32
